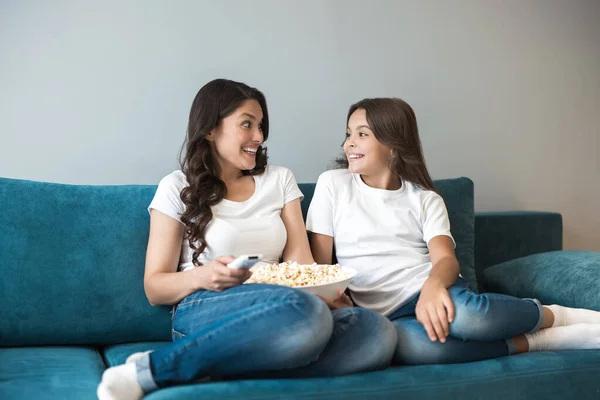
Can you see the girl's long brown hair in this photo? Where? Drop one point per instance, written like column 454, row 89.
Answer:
column 394, row 124
column 215, row 100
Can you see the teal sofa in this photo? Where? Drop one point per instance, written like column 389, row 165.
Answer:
column 72, row 301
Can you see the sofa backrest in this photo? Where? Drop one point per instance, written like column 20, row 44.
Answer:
column 72, row 265
column 72, row 261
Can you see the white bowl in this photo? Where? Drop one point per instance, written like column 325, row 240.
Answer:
column 330, row 291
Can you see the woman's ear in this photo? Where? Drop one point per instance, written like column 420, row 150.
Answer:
column 210, row 136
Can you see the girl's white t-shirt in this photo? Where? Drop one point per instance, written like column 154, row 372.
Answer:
column 383, row 234
column 237, row 228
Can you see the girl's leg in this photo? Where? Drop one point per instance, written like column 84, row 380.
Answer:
column 248, row 328
column 490, row 316
column 415, row 348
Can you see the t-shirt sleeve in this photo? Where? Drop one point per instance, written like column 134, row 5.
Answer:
column 435, row 218
column 167, row 198
column 291, row 191
column 320, row 212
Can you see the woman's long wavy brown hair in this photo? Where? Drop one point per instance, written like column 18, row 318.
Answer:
column 394, row 124
column 215, row 100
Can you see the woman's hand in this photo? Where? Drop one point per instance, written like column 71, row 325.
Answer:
column 435, row 310
column 216, row 276
column 342, row 301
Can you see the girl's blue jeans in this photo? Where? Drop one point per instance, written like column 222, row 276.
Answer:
column 483, row 328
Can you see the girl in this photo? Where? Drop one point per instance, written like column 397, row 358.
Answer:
column 227, row 201
column 386, row 220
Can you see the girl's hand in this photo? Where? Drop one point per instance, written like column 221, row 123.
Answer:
column 342, row 301
column 216, row 276
column 435, row 310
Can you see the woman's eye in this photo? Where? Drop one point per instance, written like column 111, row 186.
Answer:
column 246, row 124
column 347, row 135
column 362, row 134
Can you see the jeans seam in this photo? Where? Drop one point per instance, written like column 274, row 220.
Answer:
column 181, row 335
column 221, row 296
column 348, row 324
column 540, row 322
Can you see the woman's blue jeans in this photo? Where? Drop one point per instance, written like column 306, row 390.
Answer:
column 483, row 328
column 258, row 330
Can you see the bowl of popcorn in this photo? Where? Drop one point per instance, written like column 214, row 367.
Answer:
column 319, row 279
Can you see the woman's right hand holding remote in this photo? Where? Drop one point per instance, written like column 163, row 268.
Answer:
column 216, row 276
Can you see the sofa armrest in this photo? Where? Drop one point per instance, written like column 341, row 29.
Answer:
column 504, row 236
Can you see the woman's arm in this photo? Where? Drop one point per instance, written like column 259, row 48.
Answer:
column 322, row 248
column 162, row 283
column 297, row 247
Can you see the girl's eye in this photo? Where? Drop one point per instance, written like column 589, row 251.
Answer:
column 347, row 135
column 362, row 134
column 246, row 124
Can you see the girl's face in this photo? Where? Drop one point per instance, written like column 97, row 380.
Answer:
column 237, row 137
column 365, row 154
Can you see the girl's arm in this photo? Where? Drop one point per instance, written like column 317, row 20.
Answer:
column 435, row 310
column 322, row 248
column 445, row 268
column 297, row 247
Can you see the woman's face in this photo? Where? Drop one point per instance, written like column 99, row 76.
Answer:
column 365, row 154
column 237, row 137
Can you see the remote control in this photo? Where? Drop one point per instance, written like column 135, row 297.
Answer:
column 245, row 261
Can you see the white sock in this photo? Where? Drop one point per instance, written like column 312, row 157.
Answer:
column 120, row 383
column 564, row 316
column 572, row 337
column 136, row 356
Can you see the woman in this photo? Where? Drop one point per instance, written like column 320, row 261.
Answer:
column 227, row 201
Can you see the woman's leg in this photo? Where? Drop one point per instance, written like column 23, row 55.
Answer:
column 248, row 328
column 362, row 341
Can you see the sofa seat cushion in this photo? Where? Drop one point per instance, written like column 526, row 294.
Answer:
column 546, row 375
column 49, row 373
column 569, row 278
column 117, row 354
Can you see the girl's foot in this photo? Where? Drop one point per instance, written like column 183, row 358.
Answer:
column 564, row 316
column 572, row 337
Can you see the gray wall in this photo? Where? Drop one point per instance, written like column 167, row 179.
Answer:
column 506, row 92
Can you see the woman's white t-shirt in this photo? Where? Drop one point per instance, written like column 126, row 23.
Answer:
column 237, row 228
column 383, row 234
